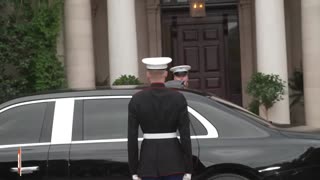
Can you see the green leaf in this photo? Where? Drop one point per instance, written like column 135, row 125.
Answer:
column 266, row 88
column 127, row 80
column 28, row 61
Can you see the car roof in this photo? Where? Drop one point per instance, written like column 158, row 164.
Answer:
column 84, row 93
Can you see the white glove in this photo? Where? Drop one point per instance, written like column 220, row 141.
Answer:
column 186, row 177
column 135, row 177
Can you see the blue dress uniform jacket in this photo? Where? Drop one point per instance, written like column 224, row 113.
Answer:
column 159, row 110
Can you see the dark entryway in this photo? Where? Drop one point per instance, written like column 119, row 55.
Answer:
column 210, row 45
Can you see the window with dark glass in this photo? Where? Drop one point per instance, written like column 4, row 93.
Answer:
column 22, row 124
column 196, row 128
column 107, row 119
column 228, row 124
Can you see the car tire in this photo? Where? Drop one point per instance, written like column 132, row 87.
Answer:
column 227, row 176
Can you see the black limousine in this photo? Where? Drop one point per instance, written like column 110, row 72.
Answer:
column 82, row 135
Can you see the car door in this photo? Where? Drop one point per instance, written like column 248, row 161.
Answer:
column 240, row 140
column 27, row 126
column 99, row 144
column 99, row 140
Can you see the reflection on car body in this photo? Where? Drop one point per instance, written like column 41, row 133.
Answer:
column 82, row 135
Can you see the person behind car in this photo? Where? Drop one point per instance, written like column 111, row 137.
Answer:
column 180, row 77
column 160, row 112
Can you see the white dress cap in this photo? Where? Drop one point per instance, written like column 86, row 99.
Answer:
column 182, row 68
column 157, row 62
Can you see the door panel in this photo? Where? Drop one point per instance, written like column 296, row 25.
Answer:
column 202, row 47
column 103, row 120
column 210, row 45
column 34, row 156
column 99, row 147
column 58, row 162
column 99, row 161
column 29, row 127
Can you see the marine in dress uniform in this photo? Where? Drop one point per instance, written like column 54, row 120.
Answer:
column 180, row 77
column 160, row 112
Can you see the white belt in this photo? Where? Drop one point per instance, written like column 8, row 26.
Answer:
column 159, row 135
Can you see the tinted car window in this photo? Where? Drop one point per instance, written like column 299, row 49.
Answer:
column 196, row 128
column 228, row 124
column 22, row 124
column 107, row 119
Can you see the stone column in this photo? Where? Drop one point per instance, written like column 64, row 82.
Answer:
column 79, row 44
column 246, row 27
column 310, row 12
column 123, row 53
column 271, row 51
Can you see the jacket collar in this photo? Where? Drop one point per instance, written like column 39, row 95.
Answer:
column 157, row 84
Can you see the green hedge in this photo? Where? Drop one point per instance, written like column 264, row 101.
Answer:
column 28, row 47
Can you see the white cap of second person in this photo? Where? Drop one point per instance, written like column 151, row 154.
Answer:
column 181, row 68
column 157, row 62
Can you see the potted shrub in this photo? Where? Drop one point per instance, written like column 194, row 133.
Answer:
column 126, row 81
column 266, row 90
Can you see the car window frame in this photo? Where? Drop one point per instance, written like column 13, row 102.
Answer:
column 208, row 100
column 234, row 110
column 46, row 128
column 79, row 139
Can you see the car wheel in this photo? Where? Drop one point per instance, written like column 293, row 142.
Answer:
column 227, row 176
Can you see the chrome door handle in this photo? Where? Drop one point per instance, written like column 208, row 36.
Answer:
column 26, row 170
